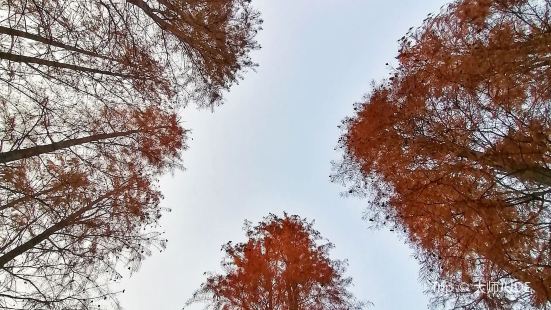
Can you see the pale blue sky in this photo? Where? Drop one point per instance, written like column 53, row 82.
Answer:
column 269, row 148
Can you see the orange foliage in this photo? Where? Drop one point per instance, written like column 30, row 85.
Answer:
column 281, row 266
column 88, row 123
column 456, row 147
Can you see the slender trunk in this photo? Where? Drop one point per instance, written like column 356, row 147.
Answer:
column 292, row 295
column 522, row 171
column 270, row 296
column 166, row 26
column 6, row 157
column 29, row 244
column 56, row 64
column 49, row 41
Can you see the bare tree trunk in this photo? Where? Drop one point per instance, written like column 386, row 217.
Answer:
column 49, row 41
column 31, row 243
column 6, row 157
column 56, row 64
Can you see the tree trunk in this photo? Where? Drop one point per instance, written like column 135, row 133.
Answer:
column 56, row 64
column 30, row 36
column 29, row 244
column 9, row 156
column 166, row 26
column 292, row 293
column 521, row 171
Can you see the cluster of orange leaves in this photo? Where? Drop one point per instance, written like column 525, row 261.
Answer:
column 460, row 135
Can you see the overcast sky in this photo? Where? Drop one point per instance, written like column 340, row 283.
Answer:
column 269, row 148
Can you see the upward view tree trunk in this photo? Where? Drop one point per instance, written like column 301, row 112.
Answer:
column 50, row 41
column 292, row 295
column 56, row 64
column 6, row 157
column 34, row 241
column 523, row 171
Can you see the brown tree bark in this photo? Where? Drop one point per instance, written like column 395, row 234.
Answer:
column 31, row 243
column 49, row 41
column 6, row 157
column 56, row 64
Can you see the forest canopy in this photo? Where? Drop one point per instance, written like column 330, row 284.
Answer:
column 454, row 150
column 90, row 103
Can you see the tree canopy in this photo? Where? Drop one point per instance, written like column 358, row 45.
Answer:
column 89, row 121
column 125, row 51
column 454, row 150
column 283, row 265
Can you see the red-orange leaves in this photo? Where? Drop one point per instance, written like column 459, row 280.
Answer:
column 281, row 266
column 456, row 146
column 161, row 136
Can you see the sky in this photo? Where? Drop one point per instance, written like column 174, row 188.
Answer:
column 269, row 149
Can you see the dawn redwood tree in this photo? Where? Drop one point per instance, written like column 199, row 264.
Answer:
column 66, row 250
column 72, row 214
column 69, row 67
column 62, row 59
column 284, row 264
column 454, row 150
column 135, row 51
column 88, row 122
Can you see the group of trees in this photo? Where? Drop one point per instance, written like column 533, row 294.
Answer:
column 90, row 94
column 89, row 121
column 454, row 150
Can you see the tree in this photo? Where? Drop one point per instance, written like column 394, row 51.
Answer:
column 282, row 265
column 77, row 210
column 454, row 150
column 88, row 124
column 125, row 51
column 64, row 252
column 64, row 59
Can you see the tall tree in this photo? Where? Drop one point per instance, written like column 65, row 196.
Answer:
column 60, row 59
column 64, row 250
column 454, row 150
column 128, row 51
column 73, row 212
column 88, row 123
column 282, row 265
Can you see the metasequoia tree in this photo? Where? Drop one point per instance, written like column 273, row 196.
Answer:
column 125, row 51
column 87, row 125
column 61, row 59
column 74, row 211
column 63, row 250
column 454, row 150
column 282, row 265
